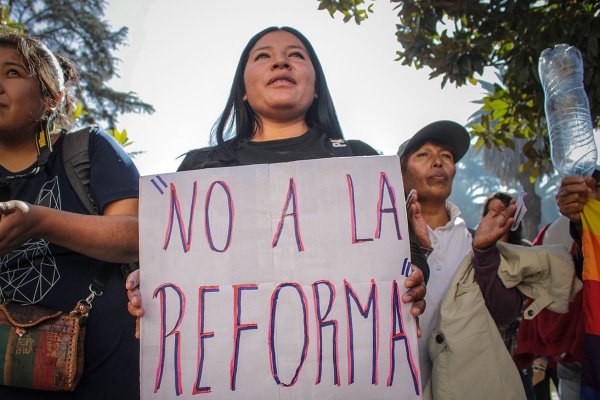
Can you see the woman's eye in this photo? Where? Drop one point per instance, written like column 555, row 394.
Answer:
column 13, row 72
column 447, row 155
column 261, row 55
column 296, row 54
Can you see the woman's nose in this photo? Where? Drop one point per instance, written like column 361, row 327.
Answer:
column 280, row 62
column 282, row 65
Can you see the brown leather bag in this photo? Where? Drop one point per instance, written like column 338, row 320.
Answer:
column 41, row 348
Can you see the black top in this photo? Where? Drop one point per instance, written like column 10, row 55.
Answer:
column 56, row 277
column 311, row 145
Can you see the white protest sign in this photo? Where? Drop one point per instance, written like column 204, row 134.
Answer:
column 277, row 281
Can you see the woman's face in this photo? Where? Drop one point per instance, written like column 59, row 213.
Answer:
column 279, row 78
column 21, row 101
column 430, row 170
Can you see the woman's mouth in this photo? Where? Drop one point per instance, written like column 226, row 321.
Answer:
column 281, row 80
column 438, row 177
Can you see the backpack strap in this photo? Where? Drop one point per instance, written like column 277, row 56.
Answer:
column 76, row 160
column 340, row 148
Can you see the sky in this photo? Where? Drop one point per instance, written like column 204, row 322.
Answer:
column 182, row 54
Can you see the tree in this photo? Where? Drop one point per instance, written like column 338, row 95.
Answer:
column 77, row 30
column 458, row 39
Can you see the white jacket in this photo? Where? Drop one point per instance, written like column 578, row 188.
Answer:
column 470, row 360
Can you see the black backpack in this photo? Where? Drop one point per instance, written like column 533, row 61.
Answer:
column 76, row 162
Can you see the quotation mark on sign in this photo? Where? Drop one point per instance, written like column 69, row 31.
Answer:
column 156, row 184
column 406, row 268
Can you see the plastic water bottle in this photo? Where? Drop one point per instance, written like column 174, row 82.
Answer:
column 572, row 145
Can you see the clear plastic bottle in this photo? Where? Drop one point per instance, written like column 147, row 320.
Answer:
column 572, row 145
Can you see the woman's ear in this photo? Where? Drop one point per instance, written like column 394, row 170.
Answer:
column 54, row 103
column 245, row 97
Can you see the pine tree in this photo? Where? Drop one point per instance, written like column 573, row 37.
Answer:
column 77, row 30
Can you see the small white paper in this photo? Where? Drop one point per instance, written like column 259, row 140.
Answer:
column 521, row 210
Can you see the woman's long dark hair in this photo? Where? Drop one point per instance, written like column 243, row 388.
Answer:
column 238, row 121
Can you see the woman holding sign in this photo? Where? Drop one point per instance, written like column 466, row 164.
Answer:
column 279, row 110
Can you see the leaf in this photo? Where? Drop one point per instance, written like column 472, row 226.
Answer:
column 499, row 113
column 510, row 144
column 323, row 4
column 535, row 174
column 499, row 104
column 120, row 136
column 526, row 166
column 479, row 142
column 478, row 128
column 78, row 112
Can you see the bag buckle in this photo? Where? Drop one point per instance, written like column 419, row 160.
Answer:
column 93, row 293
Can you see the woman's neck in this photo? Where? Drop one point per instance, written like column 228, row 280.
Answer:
column 435, row 213
column 274, row 130
column 17, row 155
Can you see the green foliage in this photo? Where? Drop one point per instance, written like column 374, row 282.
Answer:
column 79, row 112
column 120, row 137
column 6, row 24
column 356, row 10
column 458, row 39
column 78, row 31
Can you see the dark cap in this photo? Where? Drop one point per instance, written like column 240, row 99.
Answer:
column 449, row 133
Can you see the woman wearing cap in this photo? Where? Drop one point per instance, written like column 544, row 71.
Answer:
column 428, row 162
column 280, row 109
column 51, row 250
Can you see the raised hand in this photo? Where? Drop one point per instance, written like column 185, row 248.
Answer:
column 573, row 194
column 415, row 216
column 494, row 225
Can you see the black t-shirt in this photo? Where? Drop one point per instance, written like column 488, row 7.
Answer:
column 50, row 275
column 311, row 145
